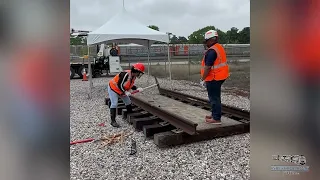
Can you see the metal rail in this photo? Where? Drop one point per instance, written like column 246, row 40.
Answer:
column 177, row 121
column 243, row 114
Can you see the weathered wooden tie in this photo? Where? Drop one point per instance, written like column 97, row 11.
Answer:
column 165, row 134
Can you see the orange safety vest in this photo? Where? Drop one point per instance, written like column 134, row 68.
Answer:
column 127, row 84
column 220, row 68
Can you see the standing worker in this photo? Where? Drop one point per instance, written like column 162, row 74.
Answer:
column 214, row 72
column 120, row 85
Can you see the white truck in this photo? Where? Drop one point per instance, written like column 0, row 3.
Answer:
column 106, row 61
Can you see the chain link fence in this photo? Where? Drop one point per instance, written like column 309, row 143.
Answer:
column 185, row 59
column 180, row 51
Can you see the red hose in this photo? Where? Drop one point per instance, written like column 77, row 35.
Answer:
column 135, row 91
column 81, row 141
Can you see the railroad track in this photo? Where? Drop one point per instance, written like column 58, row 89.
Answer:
column 228, row 111
column 169, row 128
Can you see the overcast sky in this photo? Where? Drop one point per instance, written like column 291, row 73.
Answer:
column 180, row 17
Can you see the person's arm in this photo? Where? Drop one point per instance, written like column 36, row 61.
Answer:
column 210, row 57
column 123, row 77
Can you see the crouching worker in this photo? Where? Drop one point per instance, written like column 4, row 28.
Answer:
column 120, row 86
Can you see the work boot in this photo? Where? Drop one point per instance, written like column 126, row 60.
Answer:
column 129, row 109
column 113, row 114
column 109, row 103
column 212, row 121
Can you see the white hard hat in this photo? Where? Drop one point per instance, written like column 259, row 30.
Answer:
column 210, row 34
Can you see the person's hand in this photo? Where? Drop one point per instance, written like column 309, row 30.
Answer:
column 140, row 89
column 127, row 93
column 202, row 83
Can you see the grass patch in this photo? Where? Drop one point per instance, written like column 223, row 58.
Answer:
column 239, row 73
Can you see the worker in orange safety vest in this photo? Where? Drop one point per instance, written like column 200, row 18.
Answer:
column 214, row 71
column 120, row 86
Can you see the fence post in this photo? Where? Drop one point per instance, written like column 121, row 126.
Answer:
column 189, row 63
column 165, row 68
column 90, row 75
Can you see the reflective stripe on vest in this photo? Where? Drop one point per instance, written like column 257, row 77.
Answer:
column 128, row 81
column 127, row 85
column 219, row 66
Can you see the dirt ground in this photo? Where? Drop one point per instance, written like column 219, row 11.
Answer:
column 238, row 82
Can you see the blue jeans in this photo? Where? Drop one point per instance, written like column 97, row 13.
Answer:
column 214, row 93
column 114, row 98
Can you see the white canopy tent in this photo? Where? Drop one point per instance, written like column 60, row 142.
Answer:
column 123, row 28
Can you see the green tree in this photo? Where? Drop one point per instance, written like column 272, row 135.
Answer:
column 197, row 37
column 182, row 40
column 154, row 27
column 78, row 40
column 223, row 39
column 174, row 40
column 244, row 36
column 232, row 36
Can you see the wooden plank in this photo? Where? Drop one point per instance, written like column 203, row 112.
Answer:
column 134, row 110
column 150, row 130
column 138, row 123
column 137, row 115
column 186, row 111
column 166, row 139
column 119, row 109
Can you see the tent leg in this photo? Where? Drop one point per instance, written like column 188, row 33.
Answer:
column 169, row 61
column 90, row 74
column 148, row 62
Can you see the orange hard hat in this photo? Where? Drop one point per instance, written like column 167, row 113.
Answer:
column 139, row 67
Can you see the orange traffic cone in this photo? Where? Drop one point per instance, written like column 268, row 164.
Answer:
column 84, row 76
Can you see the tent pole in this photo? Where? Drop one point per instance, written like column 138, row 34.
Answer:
column 90, row 74
column 169, row 61
column 148, row 61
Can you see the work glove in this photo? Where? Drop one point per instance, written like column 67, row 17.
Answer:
column 127, row 93
column 202, row 83
column 140, row 89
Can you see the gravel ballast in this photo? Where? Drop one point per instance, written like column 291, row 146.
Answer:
column 223, row 158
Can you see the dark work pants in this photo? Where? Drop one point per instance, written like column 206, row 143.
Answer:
column 214, row 93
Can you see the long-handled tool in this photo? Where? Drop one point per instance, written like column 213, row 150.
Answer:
column 157, row 84
column 136, row 91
